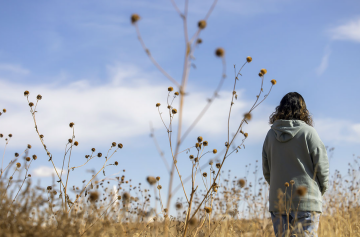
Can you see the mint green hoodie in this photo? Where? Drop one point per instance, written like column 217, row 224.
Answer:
column 293, row 151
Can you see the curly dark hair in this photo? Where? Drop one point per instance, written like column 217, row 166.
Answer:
column 292, row 107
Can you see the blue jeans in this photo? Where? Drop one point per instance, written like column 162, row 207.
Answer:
column 305, row 224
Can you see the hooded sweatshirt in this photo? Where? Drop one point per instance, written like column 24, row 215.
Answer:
column 293, row 150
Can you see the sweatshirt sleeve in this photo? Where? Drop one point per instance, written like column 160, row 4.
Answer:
column 320, row 160
column 265, row 164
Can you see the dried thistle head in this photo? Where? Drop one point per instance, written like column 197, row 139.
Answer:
column 214, row 151
column 247, row 116
column 158, row 178
column 27, row 158
column 29, row 146
column 113, row 144
column 94, row 196
column 41, row 136
column 199, row 138
column 71, row 124
column 18, row 165
column 263, row 71
column 170, row 88
column 134, row 18
column 116, row 163
column 93, row 149
column 260, row 74
column 26, row 93
column 49, row 188
column 70, row 140
column 176, row 93
column 227, row 144
column 211, row 162
column 158, row 104
column 301, row 191
column 199, row 41
column 205, row 143
column 204, row 174
column 159, row 187
column 174, row 111
column 208, row 209
column 219, row 52
column 178, row 205
column 1, row 135
column 120, row 145
column 248, row 59
column 10, row 135
column 202, row 24
column 38, row 97
column 218, row 165
column 292, row 182
column 191, row 157
column 99, row 154
column 76, row 143
column 273, row 81
column 196, row 159
column 34, row 157
column 119, row 197
column 241, row 183
column 4, row 110
column 286, row 184
column 16, row 154
column 151, row 180
column 246, row 135
column 193, row 221
column 31, row 104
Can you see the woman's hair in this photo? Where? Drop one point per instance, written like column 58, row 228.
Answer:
column 292, row 107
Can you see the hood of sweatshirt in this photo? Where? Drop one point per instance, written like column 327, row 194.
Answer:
column 285, row 130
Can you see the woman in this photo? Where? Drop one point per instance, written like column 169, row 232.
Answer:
column 296, row 167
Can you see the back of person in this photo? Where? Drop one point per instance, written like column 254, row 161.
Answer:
column 296, row 166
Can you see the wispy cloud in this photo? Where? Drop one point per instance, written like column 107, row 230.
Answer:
column 13, row 68
column 46, row 171
column 338, row 131
column 324, row 62
column 348, row 31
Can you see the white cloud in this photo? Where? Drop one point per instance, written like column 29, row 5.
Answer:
column 348, row 31
column 12, row 68
column 339, row 131
column 324, row 62
column 46, row 171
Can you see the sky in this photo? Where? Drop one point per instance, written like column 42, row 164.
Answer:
column 84, row 58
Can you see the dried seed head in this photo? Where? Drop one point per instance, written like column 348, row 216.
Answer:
column 246, row 135
column 70, row 140
column 29, row 175
column 176, row 93
column 196, row 159
column 4, row 110
column 218, row 165
column 41, row 136
column 200, row 139
column 202, row 24
column 120, row 145
column 10, row 135
column 220, row 52
column 260, row 74
column 49, row 188
column 193, row 221
column 71, row 124
column 158, row 104
column 16, row 154
column 126, row 196
column 263, row 71
column 208, row 209
column 158, row 178
column 31, row 104
column 29, row 146
column 214, row 151
column 211, row 162
column 205, row 143
column 273, row 81
column 204, row 174
column 26, row 93
column 191, row 157
column 286, row 184
column 241, row 183
column 116, row 163
column 93, row 149
column 301, row 191
column 247, row 116
column 18, row 165
column 151, row 180
column 10, row 177
column 134, row 18
column 1, row 135
column 170, row 88
column 99, row 154
column 178, row 205
column 248, row 59
column 113, row 144
column 27, row 158
column 76, row 143
column 292, row 182
column 159, row 187
column 199, row 41
column 34, row 157
column 87, row 156
column 94, row 196
column 226, row 144
column 38, row 97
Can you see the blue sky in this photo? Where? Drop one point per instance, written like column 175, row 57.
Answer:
column 86, row 61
